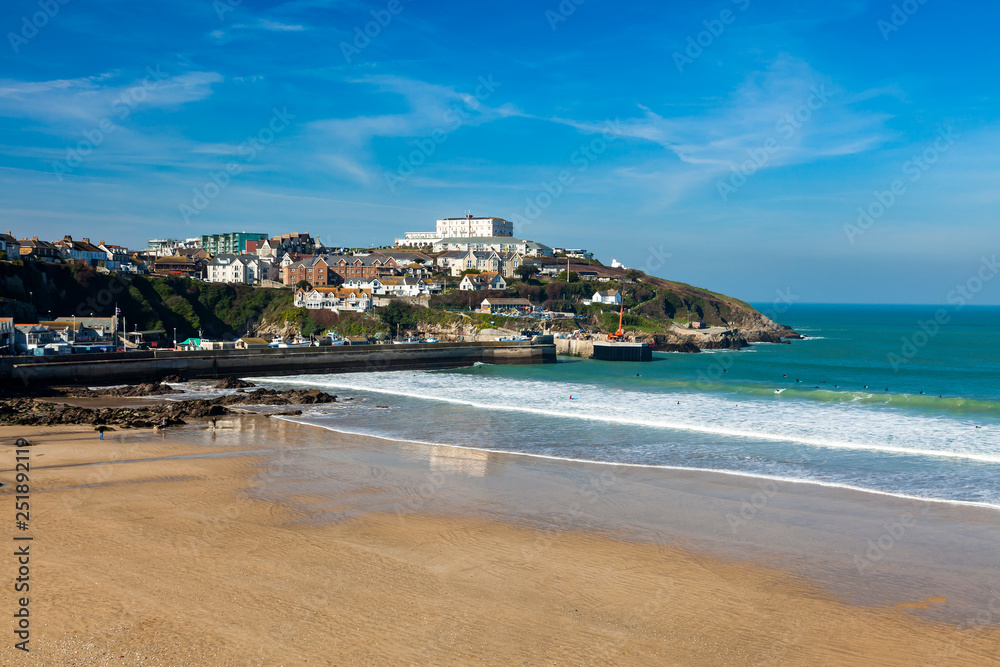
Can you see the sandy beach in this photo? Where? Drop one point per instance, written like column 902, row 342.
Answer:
column 234, row 547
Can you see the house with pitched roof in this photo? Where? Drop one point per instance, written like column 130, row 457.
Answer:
column 10, row 246
column 609, row 297
column 40, row 251
column 82, row 251
column 334, row 298
column 475, row 282
column 238, row 269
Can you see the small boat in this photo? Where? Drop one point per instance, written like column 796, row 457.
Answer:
column 408, row 341
column 298, row 341
column 431, row 339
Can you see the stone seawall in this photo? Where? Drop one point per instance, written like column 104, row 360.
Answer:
column 575, row 348
column 154, row 365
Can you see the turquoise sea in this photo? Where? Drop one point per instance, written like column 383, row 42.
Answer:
column 903, row 400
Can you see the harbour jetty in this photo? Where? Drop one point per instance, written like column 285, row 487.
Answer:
column 97, row 369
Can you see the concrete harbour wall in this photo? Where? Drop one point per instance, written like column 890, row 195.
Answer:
column 575, row 348
column 157, row 364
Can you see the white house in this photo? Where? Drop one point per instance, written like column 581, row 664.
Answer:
column 243, row 269
column 607, row 297
column 474, row 282
column 334, row 298
column 392, row 286
column 117, row 257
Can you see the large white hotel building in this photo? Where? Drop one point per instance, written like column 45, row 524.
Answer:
column 467, row 227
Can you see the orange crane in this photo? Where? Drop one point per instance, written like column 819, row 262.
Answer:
column 619, row 335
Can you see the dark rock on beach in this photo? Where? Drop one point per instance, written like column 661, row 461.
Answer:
column 39, row 412
column 234, row 383
column 128, row 391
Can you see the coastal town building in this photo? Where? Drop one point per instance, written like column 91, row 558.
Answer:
column 38, row 339
column 335, row 269
column 168, row 247
column 474, row 282
column 276, row 246
column 576, row 253
column 249, row 343
column 417, row 239
column 10, row 246
column 233, row 243
column 117, row 257
column 498, row 306
column 40, row 251
column 501, row 262
column 470, row 227
column 336, row 299
column 494, row 244
column 177, row 266
column 465, row 227
column 607, row 297
column 80, row 251
column 6, row 335
column 240, row 269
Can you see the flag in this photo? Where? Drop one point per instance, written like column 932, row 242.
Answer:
column 118, row 311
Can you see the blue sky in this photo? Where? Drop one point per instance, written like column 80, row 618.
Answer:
column 727, row 144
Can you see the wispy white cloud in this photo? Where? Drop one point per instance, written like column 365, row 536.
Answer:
column 65, row 103
column 279, row 27
column 346, row 142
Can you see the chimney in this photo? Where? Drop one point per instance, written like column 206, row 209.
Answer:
column 68, row 238
column 86, row 240
column 101, row 243
column 34, row 238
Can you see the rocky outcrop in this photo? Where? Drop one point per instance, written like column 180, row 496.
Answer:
column 128, row 391
column 235, row 383
column 37, row 412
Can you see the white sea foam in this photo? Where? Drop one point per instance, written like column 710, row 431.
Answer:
column 841, row 426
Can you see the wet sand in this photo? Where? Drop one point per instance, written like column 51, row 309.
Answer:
column 267, row 543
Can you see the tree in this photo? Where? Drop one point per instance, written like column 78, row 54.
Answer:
column 399, row 314
column 634, row 274
column 527, row 271
column 472, row 271
column 304, row 285
column 572, row 276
